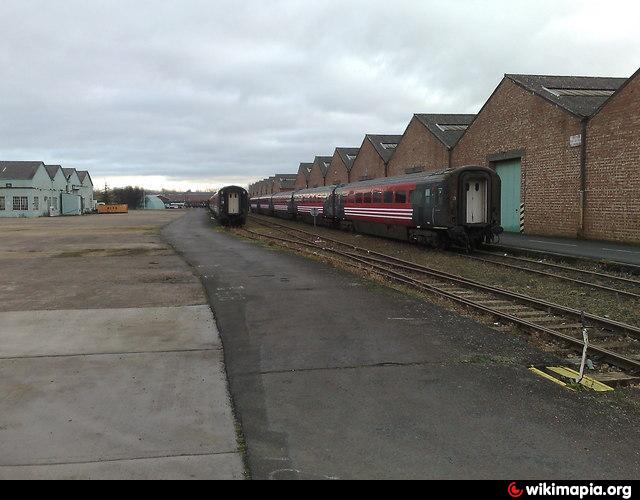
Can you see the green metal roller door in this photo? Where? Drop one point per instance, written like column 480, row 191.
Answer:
column 509, row 172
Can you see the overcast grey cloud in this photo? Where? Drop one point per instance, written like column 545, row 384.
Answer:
column 208, row 92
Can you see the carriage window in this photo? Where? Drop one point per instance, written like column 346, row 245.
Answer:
column 401, row 196
column 467, row 186
column 428, row 199
column 358, row 197
column 367, row 197
column 377, row 197
column 477, row 186
column 388, row 196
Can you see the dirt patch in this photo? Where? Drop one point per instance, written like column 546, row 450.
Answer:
column 93, row 262
column 111, row 252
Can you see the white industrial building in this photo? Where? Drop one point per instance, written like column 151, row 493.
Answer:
column 33, row 189
column 86, row 191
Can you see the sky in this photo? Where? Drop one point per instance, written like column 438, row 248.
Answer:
column 196, row 94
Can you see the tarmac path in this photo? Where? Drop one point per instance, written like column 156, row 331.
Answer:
column 333, row 377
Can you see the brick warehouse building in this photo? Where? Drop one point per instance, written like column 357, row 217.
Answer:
column 427, row 143
column 340, row 167
column 319, row 170
column 284, row 182
column 302, row 179
column 374, row 156
column 612, row 203
column 531, row 131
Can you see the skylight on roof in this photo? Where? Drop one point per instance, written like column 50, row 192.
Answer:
column 581, row 92
column 389, row 145
column 452, row 127
column 351, row 157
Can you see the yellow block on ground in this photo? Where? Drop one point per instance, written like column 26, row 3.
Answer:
column 542, row 374
column 588, row 382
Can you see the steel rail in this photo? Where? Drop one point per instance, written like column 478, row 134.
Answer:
column 557, row 276
column 615, row 358
column 605, row 322
column 549, row 274
column 559, row 266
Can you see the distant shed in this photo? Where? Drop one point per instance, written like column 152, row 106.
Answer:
column 152, row 202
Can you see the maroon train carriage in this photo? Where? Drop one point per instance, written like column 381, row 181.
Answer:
column 458, row 206
column 282, row 205
column 308, row 202
column 261, row 205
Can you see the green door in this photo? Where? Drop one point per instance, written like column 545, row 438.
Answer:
column 509, row 172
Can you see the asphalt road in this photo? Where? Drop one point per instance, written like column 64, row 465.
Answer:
column 333, row 377
column 600, row 250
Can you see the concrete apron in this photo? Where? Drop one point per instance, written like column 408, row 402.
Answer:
column 114, row 393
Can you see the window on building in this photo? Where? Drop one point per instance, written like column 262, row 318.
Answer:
column 55, row 203
column 446, row 127
column 581, row 92
column 388, row 196
column 367, row 197
column 377, row 197
column 20, row 203
column 401, row 196
column 36, row 203
column 2, row 203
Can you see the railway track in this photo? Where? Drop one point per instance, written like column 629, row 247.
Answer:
column 612, row 342
column 619, row 285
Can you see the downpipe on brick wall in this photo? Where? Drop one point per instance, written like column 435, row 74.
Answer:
column 583, row 178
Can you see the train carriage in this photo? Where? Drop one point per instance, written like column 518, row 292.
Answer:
column 230, row 206
column 262, row 205
column 282, row 204
column 459, row 206
column 316, row 200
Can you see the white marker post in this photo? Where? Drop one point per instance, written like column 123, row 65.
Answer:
column 314, row 213
column 585, row 336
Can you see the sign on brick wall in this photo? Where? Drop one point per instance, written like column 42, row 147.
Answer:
column 575, row 140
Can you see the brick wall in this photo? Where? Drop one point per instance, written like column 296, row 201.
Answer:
column 301, row 179
column 418, row 148
column 316, row 178
column 613, row 168
column 515, row 119
column 338, row 172
column 368, row 164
